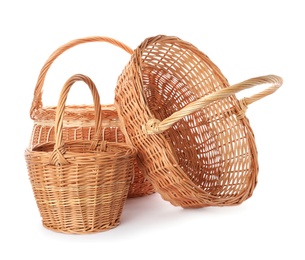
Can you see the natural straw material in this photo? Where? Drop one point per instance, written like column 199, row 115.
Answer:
column 79, row 119
column 80, row 186
column 191, row 132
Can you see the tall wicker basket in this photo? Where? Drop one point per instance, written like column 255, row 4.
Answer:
column 80, row 186
column 191, row 132
column 79, row 119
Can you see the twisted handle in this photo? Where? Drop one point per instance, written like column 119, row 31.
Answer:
column 37, row 99
column 57, row 156
column 154, row 126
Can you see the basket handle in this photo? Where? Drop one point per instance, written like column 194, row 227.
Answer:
column 37, row 99
column 57, row 156
column 154, row 126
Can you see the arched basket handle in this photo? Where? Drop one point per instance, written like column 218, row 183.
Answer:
column 57, row 156
column 154, row 126
column 37, row 99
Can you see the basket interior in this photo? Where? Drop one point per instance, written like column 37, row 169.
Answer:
column 212, row 146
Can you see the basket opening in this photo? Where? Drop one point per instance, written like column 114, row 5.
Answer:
column 211, row 145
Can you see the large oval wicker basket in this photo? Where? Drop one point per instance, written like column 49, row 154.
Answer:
column 79, row 119
column 191, row 132
column 80, row 186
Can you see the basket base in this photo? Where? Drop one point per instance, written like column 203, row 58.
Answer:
column 82, row 231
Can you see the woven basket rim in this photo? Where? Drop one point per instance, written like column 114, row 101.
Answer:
column 121, row 149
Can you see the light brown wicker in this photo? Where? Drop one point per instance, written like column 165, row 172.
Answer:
column 79, row 119
column 191, row 132
column 80, row 186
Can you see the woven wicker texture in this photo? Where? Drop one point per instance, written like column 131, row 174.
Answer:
column 79, row 119
column 191, row 132
column 80, row 186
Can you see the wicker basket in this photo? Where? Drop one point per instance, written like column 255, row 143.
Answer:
column 79, row 120
column 80, row 186
column 191, row 132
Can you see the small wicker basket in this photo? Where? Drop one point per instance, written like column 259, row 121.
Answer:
column 191, row 132
column 80, row 186
column 79, row 119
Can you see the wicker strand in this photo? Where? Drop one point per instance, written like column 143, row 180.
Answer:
column 152, row 127
column 243, row 106
column 57, row 156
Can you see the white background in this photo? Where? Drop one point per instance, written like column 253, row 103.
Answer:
column 244, row 39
